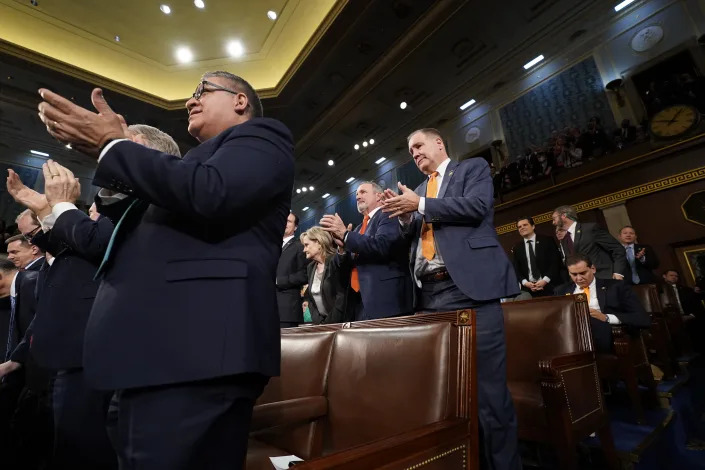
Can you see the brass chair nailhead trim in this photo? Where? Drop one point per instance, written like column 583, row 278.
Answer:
column 439, row 456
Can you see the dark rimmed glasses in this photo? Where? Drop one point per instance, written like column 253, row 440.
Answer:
column 201, row 88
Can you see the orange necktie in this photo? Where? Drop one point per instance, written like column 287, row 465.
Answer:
column 428, row 247
column 587, row 292
column 354, row 280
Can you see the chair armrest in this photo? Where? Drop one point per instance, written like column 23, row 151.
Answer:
column 552, row 366
column 288, row 412
column 443, row 437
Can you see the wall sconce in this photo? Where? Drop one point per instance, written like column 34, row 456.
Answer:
column 616, row 87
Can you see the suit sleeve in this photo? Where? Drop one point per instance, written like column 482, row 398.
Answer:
column 475, row 203
column 651, row 261
column 378, row 247
column 21, row 351
column 554, row 255
column 297, row 278
column 86, row 237
column 517, row 266
column 242, row 175
column 615, row 249
column 630, row 312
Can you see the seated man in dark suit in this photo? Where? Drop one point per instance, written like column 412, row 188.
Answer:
column 592, row 240
column 537, row 260
column 641, row 258
column 377, row 254
column 184, row 325
column 689, row 302
column 611, row 302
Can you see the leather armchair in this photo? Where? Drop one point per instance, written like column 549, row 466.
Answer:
column 658, row 338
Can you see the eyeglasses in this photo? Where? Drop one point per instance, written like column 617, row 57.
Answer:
column 201, row 88
column 29, row 235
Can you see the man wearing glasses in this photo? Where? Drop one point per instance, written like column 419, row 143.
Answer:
column 20, row 249
column 185, row 325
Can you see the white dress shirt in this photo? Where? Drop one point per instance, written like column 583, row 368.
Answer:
column 13, row 288
column 594, row 304
column 532, row 275
column 286, row 240
column 30, row 264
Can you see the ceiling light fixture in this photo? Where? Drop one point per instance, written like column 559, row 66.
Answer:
column 310, row 188
column 298, row 191
column 272, row 15
column 380, row 160
column 331, row 163
column 117, row 38
column 236, row 49
column 623, row 4
column 184, row 55
column 357, row 147
column 402, row 105
column 166, row 9
column 41, row 154
column 305, row 209
column 350, row 180
column 467, row 105
column 372, row 141
column 68, row 146
column 364, row 144
column 533, row 62
column 304, row 189
column 199, row 4
column 325, row 196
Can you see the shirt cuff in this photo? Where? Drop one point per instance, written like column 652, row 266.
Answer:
column 108, row 147
column 523, row 281
column 619, row 274
column 422, row 206
column 547, row 279
column 48, row 222
column 612, row 319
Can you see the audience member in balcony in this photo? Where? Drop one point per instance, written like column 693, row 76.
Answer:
column 625, row 135
column 593, row 241
column 611, row 302
column 547, row 163
column 291, row 276
column 457, row 263
column 537, row 260
column 377, row 257
column 594, row 141
column 641, row 258
column 326, row 282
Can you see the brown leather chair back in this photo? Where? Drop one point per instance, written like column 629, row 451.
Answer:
column 304, row 367
column 385, row 381
column 649, row 298
column 542, row 328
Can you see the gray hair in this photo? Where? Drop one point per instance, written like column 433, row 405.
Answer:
column 156, row 139
column 375, row 187
column 243, row 86
column 28, row 212
column 568, row 211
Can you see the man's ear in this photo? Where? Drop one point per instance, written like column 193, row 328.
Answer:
column 240, row 103
column 35, row 250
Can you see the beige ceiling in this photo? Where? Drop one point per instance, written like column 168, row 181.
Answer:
column 77, row 37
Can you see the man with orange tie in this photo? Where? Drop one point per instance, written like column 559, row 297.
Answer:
column 380, row 284
column 457, row 263
column 611, row 302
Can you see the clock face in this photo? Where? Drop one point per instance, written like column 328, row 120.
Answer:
column 674, row 121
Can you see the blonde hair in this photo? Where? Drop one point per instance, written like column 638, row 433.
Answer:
column 317, row 234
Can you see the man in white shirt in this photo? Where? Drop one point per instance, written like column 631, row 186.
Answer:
column 611, row 302
column 537, row 260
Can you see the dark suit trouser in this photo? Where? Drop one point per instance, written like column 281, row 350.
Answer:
column 498, row 422
column 9, row 393
column 186, row 426
column 601, row 335
column 80, row 438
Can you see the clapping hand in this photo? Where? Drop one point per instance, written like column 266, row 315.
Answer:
column 29, row 198
column 334, row 225
column 405, row 203
column 59, row 184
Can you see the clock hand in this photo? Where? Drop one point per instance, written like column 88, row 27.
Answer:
column 675, row 117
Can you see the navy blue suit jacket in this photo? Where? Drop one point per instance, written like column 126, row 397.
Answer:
column 462, row 215
column 381, row 258
column 190, row 293
column 68, row 288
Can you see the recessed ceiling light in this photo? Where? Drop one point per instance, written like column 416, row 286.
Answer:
column 372, row 141
column 41, row 154
column 331, row 163
column 184, row 54
column 364, row 144
column 68, row 146
column 236, row 49
column 310, row 188
column 199, row 3
column 533, row 62
column 357, row 147
column 380, row 160
column 272, row 15
column 166, row 9
column 623, row 4
column 402, row 105
column 325, row 195
column 298, row 191
column 304, row 189
column 305, row 209
column 350, row 180
column 467, row 105
column 117, row 38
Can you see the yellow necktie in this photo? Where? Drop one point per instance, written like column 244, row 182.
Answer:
column 354, row 278
column 428, row 247
column 587, row 292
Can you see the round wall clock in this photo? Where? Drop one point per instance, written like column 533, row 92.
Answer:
column 472, row 135
column 647, row 38
column 674, row 121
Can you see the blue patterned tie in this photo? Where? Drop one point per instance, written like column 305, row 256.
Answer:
column 632, row 263
column 10, row 336
column 109, row 249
